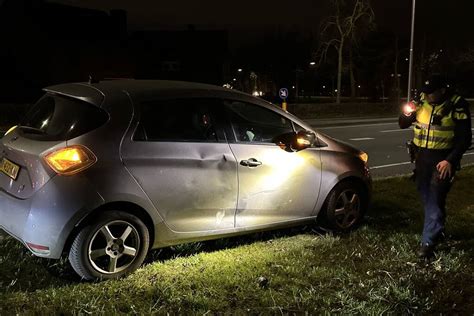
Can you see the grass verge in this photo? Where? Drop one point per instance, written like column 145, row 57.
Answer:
column 370, row 271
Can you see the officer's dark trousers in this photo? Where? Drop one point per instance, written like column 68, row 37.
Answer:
column 433, row 193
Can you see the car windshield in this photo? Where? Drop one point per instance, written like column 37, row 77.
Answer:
column 55, row 118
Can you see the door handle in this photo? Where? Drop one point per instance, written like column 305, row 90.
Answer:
column 252, row 162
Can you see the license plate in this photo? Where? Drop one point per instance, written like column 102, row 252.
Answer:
column 9, row 168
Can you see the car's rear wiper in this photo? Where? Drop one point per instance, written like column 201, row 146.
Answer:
column 30, row 129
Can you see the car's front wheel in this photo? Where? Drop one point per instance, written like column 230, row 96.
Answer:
column 345, row 206
column 112, row 246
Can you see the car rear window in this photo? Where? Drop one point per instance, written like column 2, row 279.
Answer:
column 55, row 118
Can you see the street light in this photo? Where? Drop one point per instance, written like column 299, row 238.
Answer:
column 239, row 70
column 312, row 63
column 410, row 68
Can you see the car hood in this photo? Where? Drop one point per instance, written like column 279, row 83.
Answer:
column 338, row 145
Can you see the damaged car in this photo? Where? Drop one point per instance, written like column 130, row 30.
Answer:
column 102, row 172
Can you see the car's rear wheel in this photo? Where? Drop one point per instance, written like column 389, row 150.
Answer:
column 112, row 246
column 345, row 206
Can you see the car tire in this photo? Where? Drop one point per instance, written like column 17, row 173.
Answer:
column 345, row 207
column 111, row 247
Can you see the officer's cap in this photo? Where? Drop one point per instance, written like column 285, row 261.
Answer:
column 433, row 83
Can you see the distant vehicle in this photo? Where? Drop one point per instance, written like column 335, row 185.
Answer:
column 106, row 171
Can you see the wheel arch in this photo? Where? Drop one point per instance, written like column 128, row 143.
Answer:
column 366, row 191
column 123, row 206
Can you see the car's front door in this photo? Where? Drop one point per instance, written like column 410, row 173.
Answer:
column 274, row 185
column 181, row 159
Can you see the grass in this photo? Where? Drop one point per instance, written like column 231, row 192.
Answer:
column 370, row 271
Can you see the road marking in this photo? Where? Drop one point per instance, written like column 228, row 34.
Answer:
column 403, row 163
column 362, row 138
column 315, row 125
column 391, row 165
column 396, row 130
column 352, row 126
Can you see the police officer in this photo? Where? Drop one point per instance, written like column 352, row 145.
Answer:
column 442, row 133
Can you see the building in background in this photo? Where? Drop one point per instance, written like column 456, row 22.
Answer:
column 47, row 43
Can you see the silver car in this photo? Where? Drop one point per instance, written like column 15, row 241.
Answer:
column 104, row 172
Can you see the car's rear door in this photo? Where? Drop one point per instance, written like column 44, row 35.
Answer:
column 274, row 185
column 180, row 157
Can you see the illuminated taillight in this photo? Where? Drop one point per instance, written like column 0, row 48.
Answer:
column 70, row 160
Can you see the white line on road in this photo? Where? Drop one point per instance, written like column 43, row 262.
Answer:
column 352, row 126
column 391, row 165
column 403, row 163
column 396, row 130
column 314, row 124
column 362, row 138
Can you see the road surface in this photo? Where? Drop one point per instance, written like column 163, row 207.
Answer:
column 381, row 138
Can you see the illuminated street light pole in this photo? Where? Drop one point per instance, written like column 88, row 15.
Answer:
column 410, row 68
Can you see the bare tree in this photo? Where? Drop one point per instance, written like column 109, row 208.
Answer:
column 343, row 28
column 466, row 57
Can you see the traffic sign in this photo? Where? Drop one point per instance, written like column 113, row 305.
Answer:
column 283, row 93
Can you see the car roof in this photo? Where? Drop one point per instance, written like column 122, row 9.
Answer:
column 95, row 93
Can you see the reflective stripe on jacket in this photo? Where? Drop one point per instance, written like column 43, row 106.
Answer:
column 434, row 127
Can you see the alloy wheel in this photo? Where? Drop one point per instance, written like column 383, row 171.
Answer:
column 347, row 210
column 114, row 247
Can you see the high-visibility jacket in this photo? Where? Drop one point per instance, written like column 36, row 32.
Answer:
column 434, row 127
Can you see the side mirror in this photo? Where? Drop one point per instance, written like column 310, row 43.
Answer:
column 295, row 141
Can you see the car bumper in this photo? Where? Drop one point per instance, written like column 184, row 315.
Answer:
column 44, row 222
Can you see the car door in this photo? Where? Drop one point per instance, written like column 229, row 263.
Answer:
column 274, row 185
column 181, row 159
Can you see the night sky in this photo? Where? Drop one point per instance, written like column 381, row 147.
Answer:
column 432, row 15
column 275, row 38
column 447, row 23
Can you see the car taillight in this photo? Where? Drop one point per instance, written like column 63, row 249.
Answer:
column 70, row 160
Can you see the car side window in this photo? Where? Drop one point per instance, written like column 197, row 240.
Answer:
column 180, row 120
column 255, row 124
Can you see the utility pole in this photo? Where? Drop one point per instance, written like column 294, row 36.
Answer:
column 410, row 68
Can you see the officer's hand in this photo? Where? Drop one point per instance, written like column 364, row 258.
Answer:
column 445, row 169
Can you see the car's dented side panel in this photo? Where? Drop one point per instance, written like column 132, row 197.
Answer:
column 193, row 185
